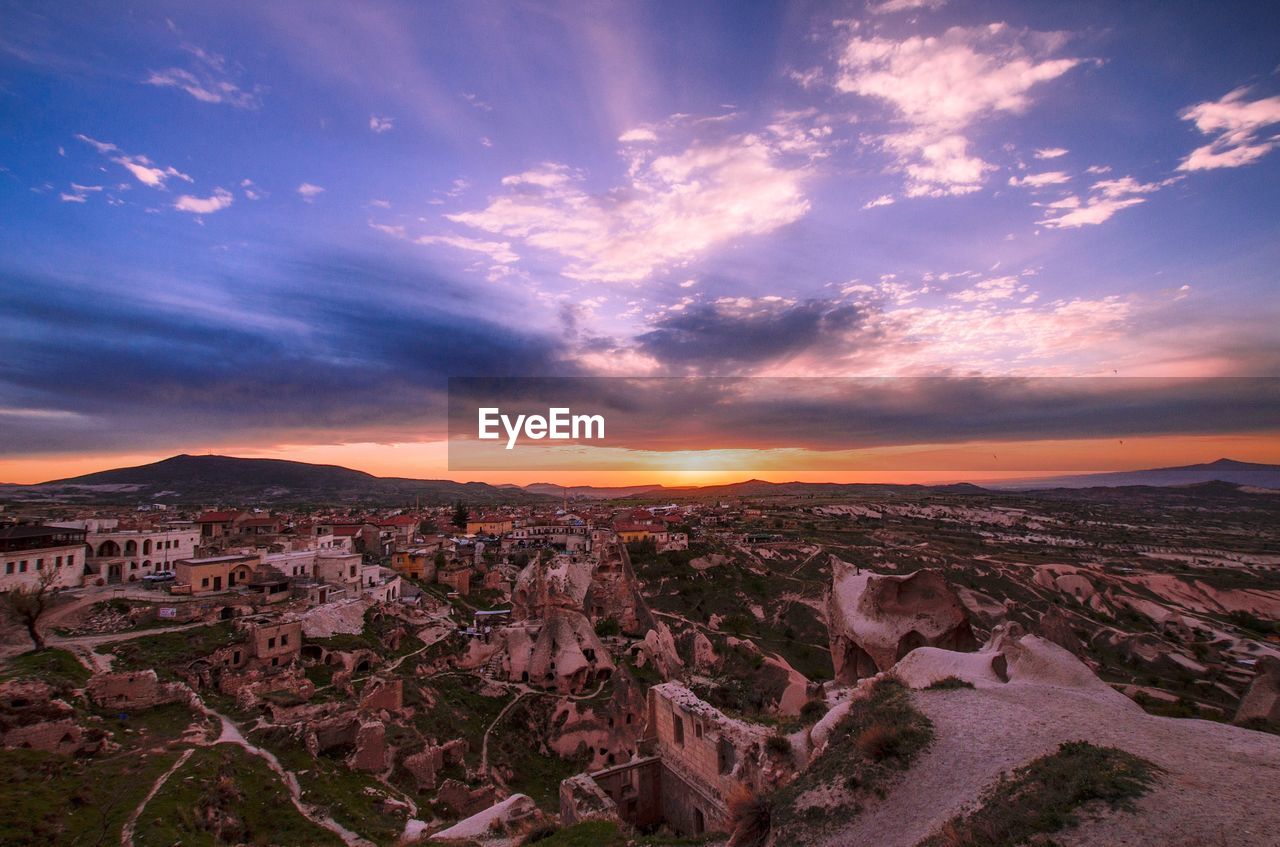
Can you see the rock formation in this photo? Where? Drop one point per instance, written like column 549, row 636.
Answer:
column 1262, row 701
column 874, row 619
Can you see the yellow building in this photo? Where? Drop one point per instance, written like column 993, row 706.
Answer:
column 419, row 563
column 489, row 525
column 215, row 573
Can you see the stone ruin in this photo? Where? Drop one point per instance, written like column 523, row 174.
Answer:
column 875, row 619
column 694, row 758
column 135, row 691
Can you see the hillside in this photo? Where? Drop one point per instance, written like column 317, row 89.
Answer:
column 203, row 479
column 1223, row 470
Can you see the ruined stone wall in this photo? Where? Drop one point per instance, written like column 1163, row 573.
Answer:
column 636, row 789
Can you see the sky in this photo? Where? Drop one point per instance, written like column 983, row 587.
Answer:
column 277, row 229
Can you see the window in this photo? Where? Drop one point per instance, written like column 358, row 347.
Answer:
column 71, row 560
column 8, row 567
column 678, row 722
column 275, row 663
column 57, row 562
column 271, row 644
column 133, row 566
column 39, row 564
column 22, row 566
column 284, row 640
column 204, row 583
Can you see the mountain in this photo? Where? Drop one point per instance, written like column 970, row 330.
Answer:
column 229, row 479
column 592, row 492
column 1223, row 470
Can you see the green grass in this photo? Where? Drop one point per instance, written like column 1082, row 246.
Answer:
column 223, row 795
column 85, row 801
column 170, row 652
column 517, row 743
column 327, row 782
column 878, row 739
column 60, row 668
column 609, row 834
column 1045, row 796
column 948, row 683
column 459, row 711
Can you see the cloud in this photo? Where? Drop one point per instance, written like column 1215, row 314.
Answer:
column 738, row 332
column 79, row 193
column 999, row 288
column 1238, row 125
column 671, row 208
column 286, row 356
column 216, row 202
column 207, row 81
column 251, row 191
column 498, row 251
column 380, row 125
column 1040, row 180
column 1051, row 152
column 632, row 136
column 1108, row 197
column 940, row 86
column 143, row 169
column 310, row 192
column 886, row 7
column 882, row 200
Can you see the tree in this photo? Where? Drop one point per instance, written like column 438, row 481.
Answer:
column 27, row 604
column 460, row 515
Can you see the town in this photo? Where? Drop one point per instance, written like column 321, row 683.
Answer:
column 681, row 669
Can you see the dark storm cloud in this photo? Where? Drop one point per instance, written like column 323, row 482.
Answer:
column 334, row 344
column 828, row 414
column 713, row 337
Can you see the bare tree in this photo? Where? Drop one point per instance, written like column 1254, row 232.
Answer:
column 27, row 604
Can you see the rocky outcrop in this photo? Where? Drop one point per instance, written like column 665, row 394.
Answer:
column 63, row 737
column 382, row 695
column 582, row 799
column 425, row 766
column 134, row 691
column 658, row 651
column 875, row 619
column 562, row 653
column 508, row 819
column 1262, row 701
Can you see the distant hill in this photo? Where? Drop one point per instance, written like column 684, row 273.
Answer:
column 592, row 492
column 1223, row 470
column 229, row 479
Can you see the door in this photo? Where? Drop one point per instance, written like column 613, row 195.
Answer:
column 217, row 583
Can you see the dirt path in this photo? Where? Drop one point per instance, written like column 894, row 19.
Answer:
column 1219, row 779
column 231, row 735
column 126, row 834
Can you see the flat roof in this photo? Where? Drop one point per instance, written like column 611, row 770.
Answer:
column 211, row 560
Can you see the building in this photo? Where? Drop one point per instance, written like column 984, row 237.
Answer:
column 213, row 573
column 489, row 525
column 698, row 758
column 339, row 568
column 220, row 524
column 419, row 563
column 28, row 552
column 126, row 555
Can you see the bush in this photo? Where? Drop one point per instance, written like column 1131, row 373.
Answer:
column 752, row 818
column 948, row 683
column 1043, row 797
column 813, row 710
column 778, row 745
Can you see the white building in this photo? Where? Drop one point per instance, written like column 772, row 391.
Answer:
column 28, row 552
column 127, row 555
